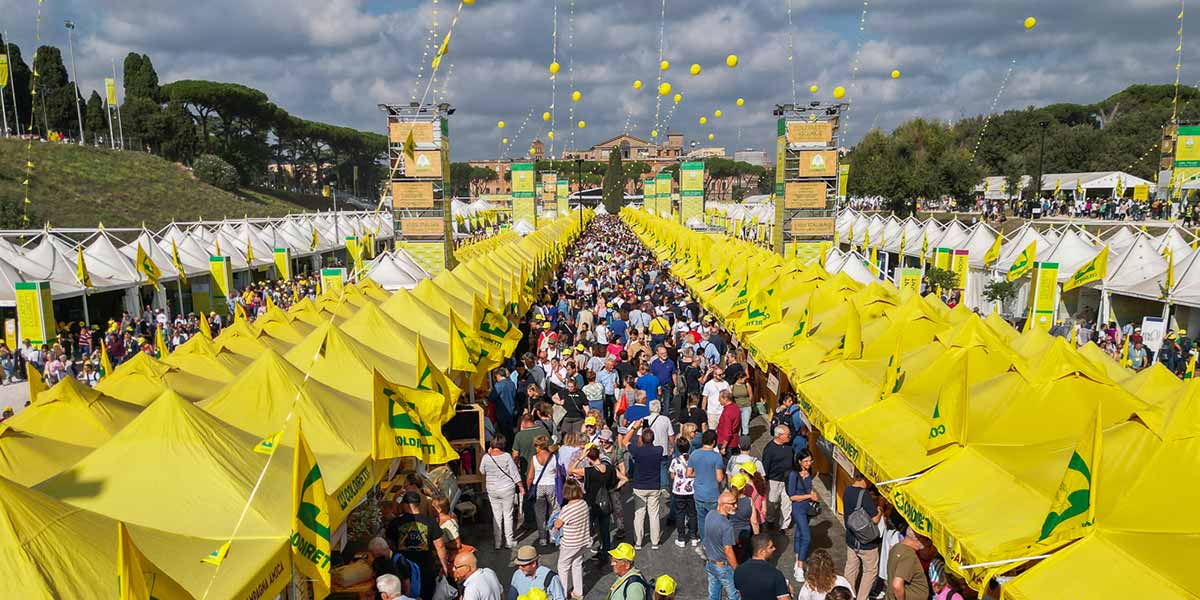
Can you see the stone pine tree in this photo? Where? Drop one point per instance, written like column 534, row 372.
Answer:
column 56, row 96
column 613, row 185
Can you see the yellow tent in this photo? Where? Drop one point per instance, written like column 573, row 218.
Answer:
column 245, row 339
column 1139, row 546
column 1160, row 389
column 339, row 361
column 52, row 550
column 202, row 356
column 372, row 288
column 1113, row 368
column 28, row 458
column 379, row 331
column 279, row 325
column 143, row 378
column 75, row 413
column 305, row 312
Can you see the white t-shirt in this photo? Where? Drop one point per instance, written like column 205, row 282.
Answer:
column 661, row 426
column 482, row 585
column 807, row 593
column 712, row 395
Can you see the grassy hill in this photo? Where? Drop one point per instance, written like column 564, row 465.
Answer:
column 75, row 186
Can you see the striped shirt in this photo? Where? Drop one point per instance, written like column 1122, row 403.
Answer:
column 575, row 528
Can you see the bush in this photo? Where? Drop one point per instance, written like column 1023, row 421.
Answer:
column 215, row 172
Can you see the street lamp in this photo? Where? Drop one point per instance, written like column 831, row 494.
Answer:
column 1041, row 156
column 579, row 179
column 70, row 25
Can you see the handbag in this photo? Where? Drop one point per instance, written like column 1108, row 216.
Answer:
column 814, row 508
column 529, row 502
column 604, row 501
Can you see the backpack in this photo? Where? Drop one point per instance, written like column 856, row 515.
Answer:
column 635, row 579
column 786, row 418
column 414, row 572
column 859, row 523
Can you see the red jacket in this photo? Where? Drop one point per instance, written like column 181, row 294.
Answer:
column 729, row 425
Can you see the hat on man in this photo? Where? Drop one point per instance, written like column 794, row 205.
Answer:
column 664, row 585
column 606, row 435
column 590, row 421
column 525, row 555
column 624, row 552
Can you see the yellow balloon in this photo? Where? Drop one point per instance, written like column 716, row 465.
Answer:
column 1030, row 23
column 895, row 74
column 576, row 96
column 550, row 134
column 554, row 67
column 711, row 136
column 839, row 92
column 695, row 70
column 741, row 101
column 731, row 61
column 717, row 113
column 504, row 141
column 469, row 2
column 546, row 116
column 678, row 98
column 637, row 84
column 582, row 124
column 814, row 88
column 703, row 120
column 664, row 65
column 654, row 133
column 664, row 89
column 532, row 151
column 500, row 124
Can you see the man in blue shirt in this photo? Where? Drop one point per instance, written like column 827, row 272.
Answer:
column 647, row 382
column 530, row 575
column 619, row 328
column 610, row 380
column 708, row 469
column 504, row 398
column 719, row 540
column 664, row 369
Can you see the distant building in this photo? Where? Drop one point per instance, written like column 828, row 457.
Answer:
column 634, row 148
column 754, row 157
column 703, row 153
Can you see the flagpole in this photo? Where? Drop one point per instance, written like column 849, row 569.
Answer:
column 87, row 319
column 179, row 288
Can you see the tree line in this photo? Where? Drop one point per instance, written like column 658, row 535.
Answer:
column 928, row 159
column 183, row 120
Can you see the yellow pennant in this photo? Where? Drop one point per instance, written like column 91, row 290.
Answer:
column 37, row 385
column 852, row 346
column 894, row 375
column 146, row 266
column 407, row 422
column 1024, row 263
column 311, row 524
column 1092, row 270
column 949, row 422
column 160, row 344
column 216, row 557
column 178, row 263
column 140, row 579
column 106, row 367
column 993, row 253
column 1073, row 511
column 205, row 328
column 269, row 444
column 81, row 270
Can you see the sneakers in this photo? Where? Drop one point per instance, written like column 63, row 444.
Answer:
column 798, row 574
column 637, row 545
column 654, row 546
column 695, row 542
column 680, row 543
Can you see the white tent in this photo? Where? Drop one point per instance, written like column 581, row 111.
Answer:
column 395, row 270
column 850, row 263
column 1136, row 269
column 1071, row 251
column 161, row 259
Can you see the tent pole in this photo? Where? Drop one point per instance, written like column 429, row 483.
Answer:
column 179, row 289
column 87, row 319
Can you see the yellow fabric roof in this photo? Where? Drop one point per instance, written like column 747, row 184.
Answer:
column 74, row 413
column 143, row 378
column 305, row 312
column 243, row 338
column 202, row 356
column 278, row 324
column 378, row 330
column 28, row 458
column 336, row 359
column 52, row 550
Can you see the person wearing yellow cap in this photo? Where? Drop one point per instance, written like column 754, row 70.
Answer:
column 664, row 588
column 630, row 584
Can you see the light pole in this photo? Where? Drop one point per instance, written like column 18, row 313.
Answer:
column 1041, row 156
column 579, row 178
column 70, row 25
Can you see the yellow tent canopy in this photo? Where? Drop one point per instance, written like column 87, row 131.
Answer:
column 75, row 413
column 277, row 324
column 53, row 550
column 305, row 312
column 143, row 378
column 384, row 334
column 245, row 339
column 336, row 359
column 28, row 458
column 202, row 356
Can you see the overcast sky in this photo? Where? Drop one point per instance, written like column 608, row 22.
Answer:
column 336, row 60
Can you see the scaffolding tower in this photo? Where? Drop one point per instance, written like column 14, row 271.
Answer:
column 807, row 176
column 419, row 163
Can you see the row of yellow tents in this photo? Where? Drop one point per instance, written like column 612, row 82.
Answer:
column 172, row 447
column 1023, row 458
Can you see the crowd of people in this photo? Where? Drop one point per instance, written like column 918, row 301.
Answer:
column 624, row 390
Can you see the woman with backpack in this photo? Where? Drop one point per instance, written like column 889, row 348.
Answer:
column 800, row 491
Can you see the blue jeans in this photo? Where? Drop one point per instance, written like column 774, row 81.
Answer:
column 720, row 577
column 702, row 509
column 803, row 537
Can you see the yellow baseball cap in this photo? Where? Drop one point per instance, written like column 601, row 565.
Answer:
column 580, row 347
column 589, row 421
column 738, row 481
column 749, row 468
column 664, row 585
column 623, row 552
column 566, row 351
column 545, row 325
column 533, row 594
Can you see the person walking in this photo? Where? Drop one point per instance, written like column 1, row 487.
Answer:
column 647, row 482
column 719, row 539
column 905, row 575
column 503, row 484
column 707, row 470
column 683, row 496
column 779, row 459
column 729, row 424
column 743, row 397
column 576, row 537
column 862, row 549
column 477, row 583
column 541, row 483
column 800, row 492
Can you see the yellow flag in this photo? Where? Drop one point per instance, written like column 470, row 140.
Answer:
column 1190, row 371
column 993, row 253
column 437, row 59
column 852, row 346
column 270, row 302
column 239, row 312
column 405, row 422
column 81, row 270
column 432, row 379
column 216, row 557
column 1170, row 256
column 37, row 385
column 1024, row 262
column 106, row 367
column 218, row 248
column 249, row 252
column 160, row 344
column 1125, row 362
column 1057, row 186
column 495, row 329
column 178, row 263
column 311, row 518
column 949, row 422
column 893, row 375
column 801, row 329
column 866, row 237
column 850, row 235
column 924, row 248
column 1074, row 339
column 873, row 261
column 765, row 309
column 137, row 577
column 269, row 444
column 410, row 147
column 146, row 266
column 1073, row 510
column 315, row 240
column 3, row 71
column 1092, row 270
column 465, row 349
column 205, row 328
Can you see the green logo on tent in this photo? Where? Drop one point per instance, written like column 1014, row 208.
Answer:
column 309, row 512
column 403, row 420
column 428, row 383
column 1078, row 501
